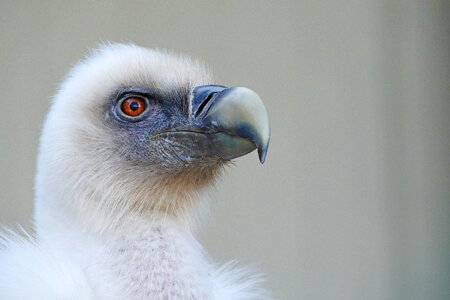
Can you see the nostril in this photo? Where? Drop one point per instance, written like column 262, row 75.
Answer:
column 204, row 103
column 202, row 98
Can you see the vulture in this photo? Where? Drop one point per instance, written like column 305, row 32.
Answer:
column 133, row 141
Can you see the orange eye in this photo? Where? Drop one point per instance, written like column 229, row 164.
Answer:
column 133, row 106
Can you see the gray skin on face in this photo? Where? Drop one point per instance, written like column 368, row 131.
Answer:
column 224, row 123
column 133, row 136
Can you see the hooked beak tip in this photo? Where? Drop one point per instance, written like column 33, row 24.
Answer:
column 262, row 155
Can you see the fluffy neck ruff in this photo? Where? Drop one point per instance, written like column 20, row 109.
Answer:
column 155, row 260
column 130, row 229
column 105, row 199
column 142, row 259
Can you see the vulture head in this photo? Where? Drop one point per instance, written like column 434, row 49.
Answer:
column 140, row 131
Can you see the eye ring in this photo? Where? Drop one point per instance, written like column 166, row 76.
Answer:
column 133, row 106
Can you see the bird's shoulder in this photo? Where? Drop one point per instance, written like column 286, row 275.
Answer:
column 239, row 283
column 30, row 269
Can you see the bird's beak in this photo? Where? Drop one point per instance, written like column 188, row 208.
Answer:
column 239, row 113
column 230, row 122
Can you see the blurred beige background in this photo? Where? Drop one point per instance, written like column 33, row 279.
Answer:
column 354, row 199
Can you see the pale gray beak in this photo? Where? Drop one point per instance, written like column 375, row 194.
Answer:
column 224, row 123
column 239, row 113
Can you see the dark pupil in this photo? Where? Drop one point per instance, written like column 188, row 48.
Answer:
column 134, row 106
